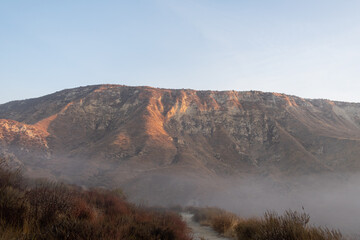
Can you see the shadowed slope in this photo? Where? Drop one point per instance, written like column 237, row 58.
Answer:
column 111, row 134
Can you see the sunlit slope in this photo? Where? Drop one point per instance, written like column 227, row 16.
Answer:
column 110, row 134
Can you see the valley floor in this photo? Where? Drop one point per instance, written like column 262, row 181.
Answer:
column 200, row 232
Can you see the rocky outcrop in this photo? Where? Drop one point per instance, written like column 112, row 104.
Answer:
column 112, row 134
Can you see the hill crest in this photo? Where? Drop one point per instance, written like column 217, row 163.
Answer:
column 114, row 134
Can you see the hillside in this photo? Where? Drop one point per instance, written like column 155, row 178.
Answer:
column 150, row 140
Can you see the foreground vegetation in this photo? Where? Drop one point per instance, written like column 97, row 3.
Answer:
column 43, row 210
column 291, row 225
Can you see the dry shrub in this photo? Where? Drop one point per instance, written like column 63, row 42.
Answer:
column 10, row 177
column 111, row 204
column 149, row 224
column 14, row 208
column 48, row 201
column 81, row 210
column 204, row 216
column 51, row 211
column 247, row 229
column 291, row 225
column 224, row 223
column 9, row 233
column 220, row 220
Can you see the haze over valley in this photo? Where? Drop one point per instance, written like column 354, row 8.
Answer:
column 179, row 120
column 247, row 152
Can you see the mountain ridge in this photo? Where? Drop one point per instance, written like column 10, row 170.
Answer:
column 114, row 134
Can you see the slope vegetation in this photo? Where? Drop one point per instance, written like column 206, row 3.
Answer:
column 141, row 137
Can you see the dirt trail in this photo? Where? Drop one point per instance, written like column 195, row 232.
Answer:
column 201, row 232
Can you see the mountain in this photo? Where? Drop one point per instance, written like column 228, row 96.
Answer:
column 149, row 140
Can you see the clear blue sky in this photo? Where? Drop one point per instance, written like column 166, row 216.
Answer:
column 309, row 48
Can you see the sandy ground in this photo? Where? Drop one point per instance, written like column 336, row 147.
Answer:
column 201, row 232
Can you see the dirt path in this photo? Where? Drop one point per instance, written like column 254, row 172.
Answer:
column 201, row 232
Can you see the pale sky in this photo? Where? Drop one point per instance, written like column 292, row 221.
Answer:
column 308, row 48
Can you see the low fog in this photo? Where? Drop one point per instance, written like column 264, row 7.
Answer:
column 331, row 200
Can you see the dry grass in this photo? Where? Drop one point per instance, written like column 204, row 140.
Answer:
column 291, row 225
column 221, row 221
column 56, row 211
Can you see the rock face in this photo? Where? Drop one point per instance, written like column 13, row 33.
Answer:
column 111, row 134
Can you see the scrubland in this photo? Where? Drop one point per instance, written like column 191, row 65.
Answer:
column 292, row 225
column 45, row 210
column 39, row 209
